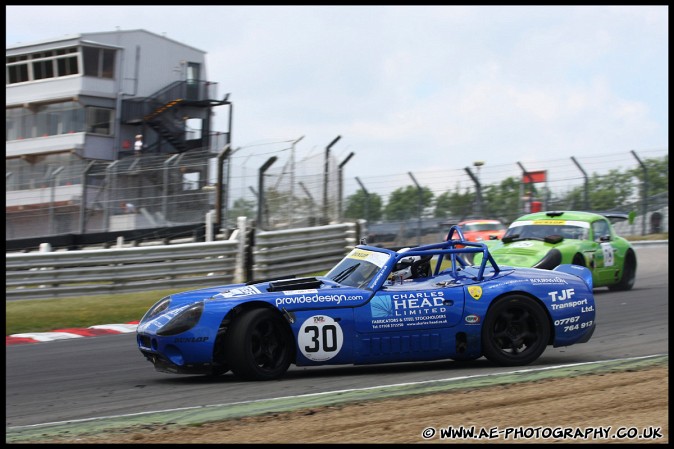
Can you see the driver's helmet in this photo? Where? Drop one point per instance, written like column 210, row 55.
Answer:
column 411, row 267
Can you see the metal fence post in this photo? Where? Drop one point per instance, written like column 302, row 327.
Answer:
column 240, row 269
column 209, row 225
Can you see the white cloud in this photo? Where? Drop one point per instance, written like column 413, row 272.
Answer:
column 417, row 88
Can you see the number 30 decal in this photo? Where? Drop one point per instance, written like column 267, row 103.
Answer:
column 320, row 338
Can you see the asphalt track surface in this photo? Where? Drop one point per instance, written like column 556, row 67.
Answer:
column 104, row 381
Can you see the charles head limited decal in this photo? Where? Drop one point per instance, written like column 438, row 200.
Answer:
column 408, row 309
column 320, row 338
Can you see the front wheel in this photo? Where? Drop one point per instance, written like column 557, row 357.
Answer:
column 578, row 259
column 515, row 331
column 259, row 346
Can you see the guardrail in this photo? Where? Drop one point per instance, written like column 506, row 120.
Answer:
column 639, row 243
column 94, row 272
column 188, row 265
column 300, row 251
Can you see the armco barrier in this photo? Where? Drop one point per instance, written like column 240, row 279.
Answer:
column 300, row 251
column 92, row 272
column 188, row 265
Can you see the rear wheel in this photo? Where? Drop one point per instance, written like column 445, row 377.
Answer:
column 629, row 274
column 259, row 345
column 516, row 331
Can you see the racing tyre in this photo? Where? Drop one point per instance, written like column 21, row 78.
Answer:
column 259, row 346
column 578, row 260
column 515, row 331
column 629, row 274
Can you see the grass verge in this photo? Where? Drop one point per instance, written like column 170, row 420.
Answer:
column 44, row 315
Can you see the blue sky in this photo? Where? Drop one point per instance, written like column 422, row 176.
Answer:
column 417, row 88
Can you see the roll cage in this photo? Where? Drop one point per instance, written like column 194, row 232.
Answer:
column 444, row 250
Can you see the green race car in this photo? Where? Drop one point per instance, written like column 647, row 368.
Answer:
column 548, row 239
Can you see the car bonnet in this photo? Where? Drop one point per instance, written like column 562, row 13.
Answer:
column 523, row 253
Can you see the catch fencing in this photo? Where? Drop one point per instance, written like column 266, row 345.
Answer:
column 153, row 191
column 293, row 191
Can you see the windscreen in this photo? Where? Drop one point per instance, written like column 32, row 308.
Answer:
column 358, row 268
column 483, row 227
column 540, row 231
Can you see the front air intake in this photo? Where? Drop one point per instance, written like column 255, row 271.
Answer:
column 294, row 284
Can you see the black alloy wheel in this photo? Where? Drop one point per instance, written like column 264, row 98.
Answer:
column 516, row 331
column 259, row 345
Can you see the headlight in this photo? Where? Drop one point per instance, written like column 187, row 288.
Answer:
column 184, row 321
column 156, row 309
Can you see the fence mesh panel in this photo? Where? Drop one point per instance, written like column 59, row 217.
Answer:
column 297, row 190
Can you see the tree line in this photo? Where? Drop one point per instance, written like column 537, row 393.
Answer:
column 611, row 191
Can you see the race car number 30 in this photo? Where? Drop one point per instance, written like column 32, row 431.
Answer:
column 320, row 338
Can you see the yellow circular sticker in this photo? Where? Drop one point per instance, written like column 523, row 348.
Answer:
column 475, row 291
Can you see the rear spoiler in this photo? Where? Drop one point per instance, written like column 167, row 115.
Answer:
column 612, row 216
column 615, row 216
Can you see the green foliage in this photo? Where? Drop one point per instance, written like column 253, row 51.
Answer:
column 403, row 203
column 243, row 208
column 454, row 204
column 275, row 202
column 605, row 192
column 502, row 201
column 658, row 175
column 364, row 206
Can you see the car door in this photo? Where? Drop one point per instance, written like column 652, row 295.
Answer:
column 408, row 321
column 605, row 265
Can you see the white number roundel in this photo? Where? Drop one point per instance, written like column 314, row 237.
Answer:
column 320, row 338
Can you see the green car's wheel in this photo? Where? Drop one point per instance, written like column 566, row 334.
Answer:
column 259, row 345
column 515, row 331
column 578, row 259
column 629, row 274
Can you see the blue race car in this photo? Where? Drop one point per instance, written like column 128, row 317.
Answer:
column 375, row 306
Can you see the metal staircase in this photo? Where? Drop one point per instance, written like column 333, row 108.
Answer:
column 161, row 112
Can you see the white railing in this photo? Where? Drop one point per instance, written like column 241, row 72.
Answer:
column 189, row 265
column 302, row 251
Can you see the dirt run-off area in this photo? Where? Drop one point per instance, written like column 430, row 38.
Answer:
column 617, row 407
